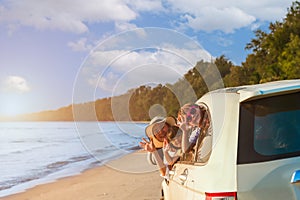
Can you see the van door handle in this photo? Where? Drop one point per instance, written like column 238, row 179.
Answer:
column 296, row 177
column 183, row 176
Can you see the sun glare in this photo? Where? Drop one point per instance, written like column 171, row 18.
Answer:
column 10, row 110
column 12, row 106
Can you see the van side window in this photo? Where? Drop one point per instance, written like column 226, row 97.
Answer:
column 201, row 151
column 204, row 142
column 189, row 156
column 269, row 128
column 276, row 127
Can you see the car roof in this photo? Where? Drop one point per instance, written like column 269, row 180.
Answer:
column 250, row 91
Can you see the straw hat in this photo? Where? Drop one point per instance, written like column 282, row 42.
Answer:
column 158, row 121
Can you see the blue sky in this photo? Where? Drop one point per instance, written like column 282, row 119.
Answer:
column 56, row 52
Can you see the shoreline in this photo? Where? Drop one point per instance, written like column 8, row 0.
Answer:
column 128, row 177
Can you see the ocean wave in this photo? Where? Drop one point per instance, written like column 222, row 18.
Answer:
column 34, row 152
column 42, row 172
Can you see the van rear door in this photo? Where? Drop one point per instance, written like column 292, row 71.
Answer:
column 269, row 148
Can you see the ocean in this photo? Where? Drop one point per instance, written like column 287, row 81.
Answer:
column 33, row 153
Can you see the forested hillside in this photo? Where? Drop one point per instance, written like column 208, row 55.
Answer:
column 275, row 55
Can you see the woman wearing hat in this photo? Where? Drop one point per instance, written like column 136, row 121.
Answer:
column 157, row 131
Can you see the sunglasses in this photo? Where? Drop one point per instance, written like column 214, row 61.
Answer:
column 190, row 114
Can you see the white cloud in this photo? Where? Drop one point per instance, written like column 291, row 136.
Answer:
column 64, row 15
column 226, row 19
column 76, row 16
column 134, row 68
column 124, row 26
column 80, row 45
column 137, row 55
column 225, row 42
column 104, row 82
column 146, row 5
column 147, row 56
column 15, row 84
column 255, row 26
column 227, row 16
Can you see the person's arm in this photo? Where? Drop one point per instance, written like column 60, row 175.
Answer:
column 185, row 144
column 159, row 162
column 149, row 146
column 166, row 150
column 170, row 160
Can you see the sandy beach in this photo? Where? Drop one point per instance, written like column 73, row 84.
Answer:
column 135, row 180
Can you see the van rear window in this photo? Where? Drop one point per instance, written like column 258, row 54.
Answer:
column 269, row 129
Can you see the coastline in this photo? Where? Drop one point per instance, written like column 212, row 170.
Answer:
column 129, row 177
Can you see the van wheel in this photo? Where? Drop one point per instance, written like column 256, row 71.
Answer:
column 162, row 195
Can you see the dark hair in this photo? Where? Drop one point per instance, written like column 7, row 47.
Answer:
column 174, row 131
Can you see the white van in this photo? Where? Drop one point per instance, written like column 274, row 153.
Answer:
column 255, row 144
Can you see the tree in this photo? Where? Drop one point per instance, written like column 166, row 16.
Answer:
column 236, row 77
column 289, row 60
column 274, row 54
column 224, row 65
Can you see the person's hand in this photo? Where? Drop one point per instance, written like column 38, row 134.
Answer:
column 147, row 145
column 184, row 126
column 166, row 145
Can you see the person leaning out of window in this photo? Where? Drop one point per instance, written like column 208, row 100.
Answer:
column 195, row 124
column 157, row 132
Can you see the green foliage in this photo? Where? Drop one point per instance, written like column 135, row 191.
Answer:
column 224, row 65
column 276, row 54
column 289, row 60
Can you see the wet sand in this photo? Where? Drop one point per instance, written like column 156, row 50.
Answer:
column 129, row 177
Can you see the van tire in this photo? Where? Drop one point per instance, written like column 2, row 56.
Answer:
column 162, row 195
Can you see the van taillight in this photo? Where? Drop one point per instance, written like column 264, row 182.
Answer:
column 221, row 196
